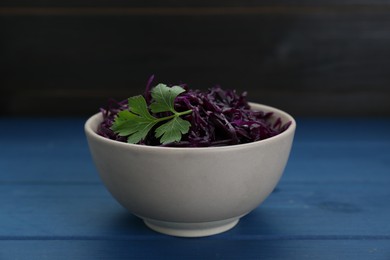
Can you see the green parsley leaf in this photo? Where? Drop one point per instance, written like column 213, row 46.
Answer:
column 138, row 106
column 137, row 122
column 172, row 130
column 136, row 126
column 164, row 98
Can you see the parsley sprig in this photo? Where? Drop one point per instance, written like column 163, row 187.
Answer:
column 137, row 122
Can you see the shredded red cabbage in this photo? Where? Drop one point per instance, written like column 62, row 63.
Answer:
column 219, row 118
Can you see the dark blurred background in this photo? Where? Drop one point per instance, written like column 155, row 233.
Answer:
column 327, row 58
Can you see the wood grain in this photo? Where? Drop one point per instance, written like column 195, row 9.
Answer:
column 188, row 249
column 332, row 202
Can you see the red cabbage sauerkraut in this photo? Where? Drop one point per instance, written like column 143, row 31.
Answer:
column 219, row 117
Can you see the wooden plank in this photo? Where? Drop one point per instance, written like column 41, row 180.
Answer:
column 332, row 203
column 186, row 10
column 314, row 209
column 192, row 4
column 45, row 150
column 324, row 150
column 340, row 150
column 196, row 249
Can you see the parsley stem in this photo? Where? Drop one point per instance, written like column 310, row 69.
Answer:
column 176, row 114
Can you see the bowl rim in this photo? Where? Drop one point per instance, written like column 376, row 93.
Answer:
column 289, row 131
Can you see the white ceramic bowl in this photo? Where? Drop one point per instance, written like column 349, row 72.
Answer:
column 191, row 192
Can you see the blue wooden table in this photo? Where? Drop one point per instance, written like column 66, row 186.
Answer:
column 333, row 201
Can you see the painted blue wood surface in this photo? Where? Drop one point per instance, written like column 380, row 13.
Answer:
column 333, row 201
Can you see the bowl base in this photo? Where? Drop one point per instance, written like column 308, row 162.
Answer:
column 191, row 229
